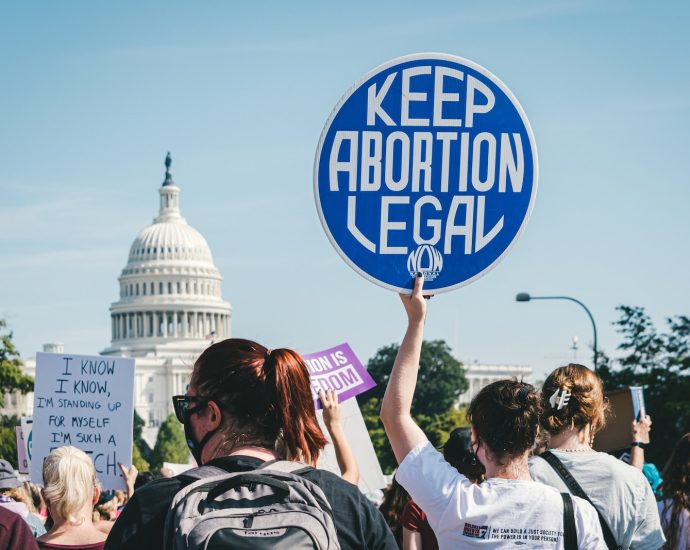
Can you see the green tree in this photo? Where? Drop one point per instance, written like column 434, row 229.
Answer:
column 440, row 382
column 143, row 448
column 170, row 444
column 11, row 376
column 659, row 361
column 139, row 461
column 8, row 445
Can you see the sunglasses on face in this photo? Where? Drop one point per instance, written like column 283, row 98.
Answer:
column 182, row 405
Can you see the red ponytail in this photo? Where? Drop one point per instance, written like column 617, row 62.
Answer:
column 266, row 395
column 302, row 435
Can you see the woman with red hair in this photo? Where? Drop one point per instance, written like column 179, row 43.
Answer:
column 247, row 405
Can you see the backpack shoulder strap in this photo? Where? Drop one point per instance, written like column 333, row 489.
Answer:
column 577, row 490
column 569, row 529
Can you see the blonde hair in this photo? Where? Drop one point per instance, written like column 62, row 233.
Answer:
column 69, row 480
column 586, row 404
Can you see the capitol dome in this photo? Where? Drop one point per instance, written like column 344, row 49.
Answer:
column 170, row 290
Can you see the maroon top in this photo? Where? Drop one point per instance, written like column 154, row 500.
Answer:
column 14, row 532
column 414, row 519
column 53, row 546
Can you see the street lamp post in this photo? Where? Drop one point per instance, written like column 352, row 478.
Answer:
column 525, row 297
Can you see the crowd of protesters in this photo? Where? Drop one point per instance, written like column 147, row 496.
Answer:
column 524, row 474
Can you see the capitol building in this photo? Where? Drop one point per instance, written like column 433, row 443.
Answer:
column 170, row 308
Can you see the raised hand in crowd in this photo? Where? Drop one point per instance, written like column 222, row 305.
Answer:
column 640, row 437
column 349, row 469
column 130, row 476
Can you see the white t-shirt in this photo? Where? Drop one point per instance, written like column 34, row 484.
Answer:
column 620, row 492
column 499, row 513
column 683, row 531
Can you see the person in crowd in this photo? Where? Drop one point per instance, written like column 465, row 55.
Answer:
column 674, row 508
column 36, row 496
column 70, row 489
column 456, row 451
column 509, row 506
column 395, row 497
column 247, row 405
column 349, row 469
column 417, row 533
column 574, row 411
column 14, row 532
column 14, row 497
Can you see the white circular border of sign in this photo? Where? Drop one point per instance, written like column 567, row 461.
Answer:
column 346, row 96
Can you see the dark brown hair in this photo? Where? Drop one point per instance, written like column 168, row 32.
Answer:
column 586, row 403
column 456, row 451
column 676, row 489
column 505, row 415
column 394, row 499
column 265, row 397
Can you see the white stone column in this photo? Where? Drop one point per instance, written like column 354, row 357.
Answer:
column 165, row 324
column 185, row 328
column 174, row 323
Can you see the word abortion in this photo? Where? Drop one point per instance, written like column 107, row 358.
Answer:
column 435, row 171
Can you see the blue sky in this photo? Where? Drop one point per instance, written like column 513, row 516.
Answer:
column 93, row 95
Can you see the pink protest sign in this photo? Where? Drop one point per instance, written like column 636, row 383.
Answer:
column 337, row 369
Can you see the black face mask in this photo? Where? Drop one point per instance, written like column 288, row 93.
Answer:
column 196, row 447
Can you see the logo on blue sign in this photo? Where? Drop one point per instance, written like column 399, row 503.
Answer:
column 428, row 164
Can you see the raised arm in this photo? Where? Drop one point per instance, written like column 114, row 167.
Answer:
column 640, row 434
column 401, row 429
column 349, row 469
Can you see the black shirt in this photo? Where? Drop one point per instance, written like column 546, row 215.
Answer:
column 358, row 523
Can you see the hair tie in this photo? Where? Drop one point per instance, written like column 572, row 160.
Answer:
column 557, row 402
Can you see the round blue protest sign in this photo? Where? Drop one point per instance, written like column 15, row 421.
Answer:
column 428, row 164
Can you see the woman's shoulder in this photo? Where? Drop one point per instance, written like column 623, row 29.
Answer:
column 327, row 480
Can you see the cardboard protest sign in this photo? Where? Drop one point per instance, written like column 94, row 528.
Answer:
column 87, row 402
column 625, row 406
column 427, row 164
column 337, row 369
column 357, row 435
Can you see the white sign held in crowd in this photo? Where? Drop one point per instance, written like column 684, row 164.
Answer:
column 86, row 402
